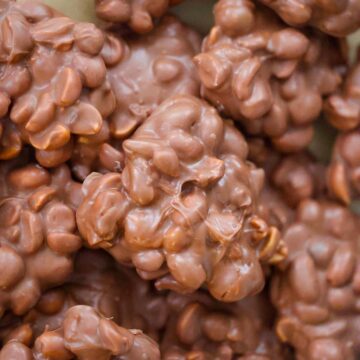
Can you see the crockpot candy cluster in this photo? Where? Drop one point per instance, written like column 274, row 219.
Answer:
column 269, row 77
column 317, row 293
column 38, row 235
column 185, row 204
column 158, row 198
column 201, row 328
column 148, row 69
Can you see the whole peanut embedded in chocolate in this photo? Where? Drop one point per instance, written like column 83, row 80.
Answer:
column 343, row 178
column 317, row 293
column 148, row 70
column 337, row 18
column 201, row 328
column 184, row 209
column 38, row 235
column 268, row 76
column 138, row 14
column 85, row 335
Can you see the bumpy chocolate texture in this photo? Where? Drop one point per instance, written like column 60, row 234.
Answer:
column 185, row 203
column 317, row 293
column 250, row 72
column 37, row 233
column 138, row 14
column 343, row 173
column 151, row 69
column 295, row 176
column 117, row 293
column 85, row 335
column 343, row 109
column 334, row 17
column 201, row 328
column 56, row 75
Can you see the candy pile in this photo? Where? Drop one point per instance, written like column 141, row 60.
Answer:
column 158, row 199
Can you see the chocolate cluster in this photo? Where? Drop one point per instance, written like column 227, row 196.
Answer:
column 185, row 204
column 67, row 80
column 343, row 112
column 85, row 334
column 151, row 69
column 269, row 77
column 139, row 15
column 317, row 293
column 337, row 18
column 38, row 234
column 201, row 328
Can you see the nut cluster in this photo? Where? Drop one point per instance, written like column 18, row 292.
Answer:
column 138, row 14
column 201, row 328
column 152, row 68
column 38, row 235
column 337, row 18
column 185, row 203
column 317, row 293
column 260, row 72
column 343, row 172
column 85, row 335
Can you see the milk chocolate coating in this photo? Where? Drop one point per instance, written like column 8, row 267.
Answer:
column 334, row 17
column 295, row 176
column 85, row 335
column 10, row 138
column 201, row 328
column 317, row 293
column 151, row 68
column 138, row 14
column 343, row 173
column 343, row 108
column 269, row 77
column 183, row 210
column 115, row 292
column 38, row 235
column 56, row 78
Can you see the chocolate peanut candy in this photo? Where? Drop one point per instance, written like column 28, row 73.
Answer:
column 115, row 292
column 85, row 335
column 202, row 328
column 55, row 77
column 184, row 209
column 38, row 233
column 138, row 14
column 337, row 18
column 317, row 292
column 343, row 108
column 250, row 73
column 148, row 69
